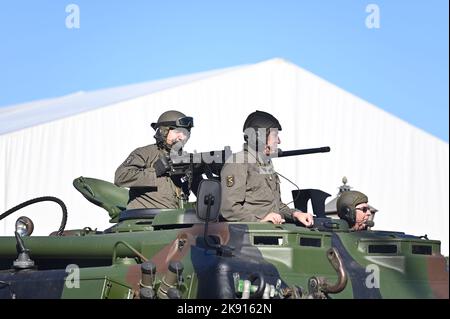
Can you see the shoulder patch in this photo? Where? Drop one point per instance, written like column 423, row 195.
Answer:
column 230, row 180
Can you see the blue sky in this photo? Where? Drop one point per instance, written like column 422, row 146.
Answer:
column 401, row 67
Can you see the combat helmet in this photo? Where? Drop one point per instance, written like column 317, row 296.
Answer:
column 346, row 205
column 254, row 123
column 170, row 120
column 260, row 119
column 173, row 119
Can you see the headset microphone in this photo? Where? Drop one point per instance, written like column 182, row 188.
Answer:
column 369, row 223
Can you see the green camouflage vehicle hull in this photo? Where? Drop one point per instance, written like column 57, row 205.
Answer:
column 162, row 253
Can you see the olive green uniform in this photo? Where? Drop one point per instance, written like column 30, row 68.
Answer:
column 146, row 189
column 251, row 189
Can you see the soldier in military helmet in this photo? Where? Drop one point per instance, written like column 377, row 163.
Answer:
column 353, row 207
column 250, row 185
column 145, row 170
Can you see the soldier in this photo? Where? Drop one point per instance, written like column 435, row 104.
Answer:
column 250, row 185
column 145, row 169
column 353, row 207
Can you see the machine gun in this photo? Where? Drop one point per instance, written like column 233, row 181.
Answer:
column 305, row 151
column 190, row 167
column 208, row 163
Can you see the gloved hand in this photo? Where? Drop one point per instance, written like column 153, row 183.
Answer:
column 162, row 166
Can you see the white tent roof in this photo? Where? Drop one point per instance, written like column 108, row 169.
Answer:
column 20, row 116
column 45, row 144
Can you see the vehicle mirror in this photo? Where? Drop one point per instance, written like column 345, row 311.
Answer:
column 208, row 200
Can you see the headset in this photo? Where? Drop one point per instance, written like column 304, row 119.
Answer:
column 160, row 137
column 349, row 214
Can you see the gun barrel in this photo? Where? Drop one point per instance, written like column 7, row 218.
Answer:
column 305, row 151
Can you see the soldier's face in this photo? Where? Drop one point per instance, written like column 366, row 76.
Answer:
column 178, row 135
column 272, row 142
column 362, row 216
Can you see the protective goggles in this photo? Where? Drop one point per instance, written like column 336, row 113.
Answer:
column 184, row 122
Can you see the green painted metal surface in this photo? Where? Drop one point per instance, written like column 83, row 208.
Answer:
column 289, row 259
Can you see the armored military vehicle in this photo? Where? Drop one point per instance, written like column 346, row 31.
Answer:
column 193, row 253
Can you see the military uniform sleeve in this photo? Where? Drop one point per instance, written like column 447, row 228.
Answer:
column 234, row 186
column 286, row 212
column 136, row 171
